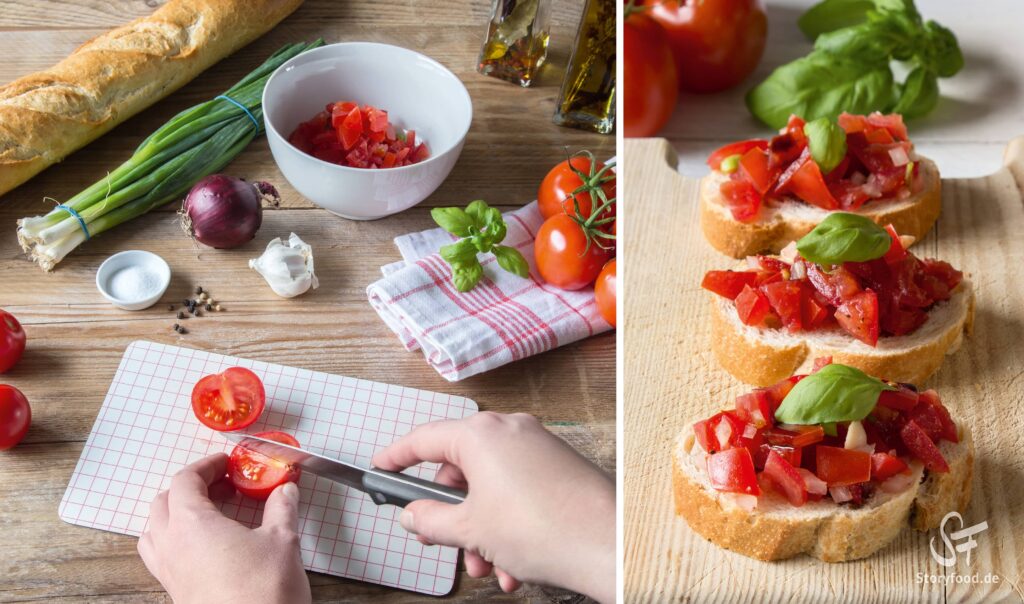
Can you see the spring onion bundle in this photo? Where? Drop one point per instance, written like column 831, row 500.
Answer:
column 196, row 143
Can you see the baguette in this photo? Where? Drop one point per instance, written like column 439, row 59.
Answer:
column 779, row 223
column 762, row 356
column 776, row 530
column 48, row 115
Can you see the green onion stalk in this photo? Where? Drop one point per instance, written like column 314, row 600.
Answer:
column 195, row 143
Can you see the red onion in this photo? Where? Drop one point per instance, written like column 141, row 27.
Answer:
column 223, row 211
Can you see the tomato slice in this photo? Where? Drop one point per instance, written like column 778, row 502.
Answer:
column 859, row 317
column 841, row 467
column 229, row 401
column 255, row 475
column 733, row 471
column 922, row 447
column 752, row 306
column 885, row 466
column 738, row 148
column 786, row 478
column 728, row 284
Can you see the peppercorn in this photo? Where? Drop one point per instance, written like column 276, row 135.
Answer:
column 185, row 302
column 181, row 315
column 177, row 327
column 183, row 331
column 170, row 307
column 209, row 307
column 199, row 290
column 198, row 313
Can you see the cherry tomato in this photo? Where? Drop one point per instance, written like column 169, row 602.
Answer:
column 229, row 401
column 555, row 193
column 15, row 416
column 563, row 257
column 12, row 341
column 649, row 75
column 715, row 43
column 605, row 292
column 255, row 475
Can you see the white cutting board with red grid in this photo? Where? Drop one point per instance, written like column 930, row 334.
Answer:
column 145, row 431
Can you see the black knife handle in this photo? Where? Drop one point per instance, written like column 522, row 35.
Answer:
column 399, row 489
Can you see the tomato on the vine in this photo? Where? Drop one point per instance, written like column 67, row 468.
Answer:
column 12, row 341
column 715, row 43
column 567, row 257
column 230, row 400
column 15, row 416
column 649, row 75
column 254, row 474
column 555, row 195
column 606, row 292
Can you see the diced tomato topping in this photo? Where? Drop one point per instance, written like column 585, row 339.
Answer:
column 357, row 137
column 754, row 167
column 896, row 251
column 859, row 317
column 752, row 306
column 732, row 471
column 793, row 455
column 756, row 407
column 813, row 312
column 739, row 148
column 821, row 362
column 785, row 299
column 948, row 429
column 835, row 286
column 808, row 184
column 885, row 466
column 719, row 432
column 903, row 399
column 785, row 478
column 842, row 467
column 728, row 284
column 784, row 149
column 921, row 446
column 351, row 128
column 742, row 198
column 794, row 436
column 777, row 392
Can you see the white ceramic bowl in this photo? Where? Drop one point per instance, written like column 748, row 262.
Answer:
column 153, row 268
column 417, row 92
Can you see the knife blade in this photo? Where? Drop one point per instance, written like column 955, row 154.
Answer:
column 383, row 487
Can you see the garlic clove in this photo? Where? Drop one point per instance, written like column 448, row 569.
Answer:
column 287, row 268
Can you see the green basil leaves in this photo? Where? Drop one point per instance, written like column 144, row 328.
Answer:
column 844, row 237
column 835, row 393
column 482, row 228
column 827, row 142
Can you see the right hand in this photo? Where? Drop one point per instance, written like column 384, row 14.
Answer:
column 536, row 510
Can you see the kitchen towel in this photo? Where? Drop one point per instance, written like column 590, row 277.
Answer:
column 503, row 319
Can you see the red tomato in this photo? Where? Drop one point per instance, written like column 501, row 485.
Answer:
column 716, row 43
column 794, row 436
column 903, row 399
column 842, row 467
column 807, row 183
column 563, row 256
column 357, row 137
column 885, row 466
column 896, row 251
column 742, row 198
column 752, row 306
column 948, row 430
column 715, row 159
column 859, row 317
column 255, row 475
column 733, row 471
column 228, row 401
column 785, row 297
column 649, row 75
column 756, row 407
column 754, row 167
column 786, row 478
column 922, row 447
column 555, row 195
column 728, row 284
column 605, row 292
column 15, row 416
column 12, row 341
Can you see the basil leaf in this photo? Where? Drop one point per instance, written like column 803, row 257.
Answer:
column 835, row 393
column 511, row 260
column 478, row 210
column 873, row 40
column 454, row 220
column 943, row 53
column 919, row 94
column 460, row 252
column 827, row 143
column 821, row 85
column 831, row 15
column 844, row 237
column 466, row 276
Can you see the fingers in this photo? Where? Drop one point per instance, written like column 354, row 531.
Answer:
column 507, row 582
column 222, row 490
column 451, row 476
column 147, row 551
column 282, row 508
column 158, row 512
column 476, row 565
column 190, row 486
column 428, row 442
column 439, row 523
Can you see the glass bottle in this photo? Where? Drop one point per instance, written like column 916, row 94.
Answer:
column 587, row 98
column 517, row 40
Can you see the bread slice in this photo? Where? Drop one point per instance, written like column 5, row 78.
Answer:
column 763, row 356
column 776, row 530
column 780, row 223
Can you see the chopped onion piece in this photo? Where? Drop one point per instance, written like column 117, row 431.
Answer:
column 723, row 432
column 855, row 436
column 841, row 494
column 898, row 483
column 741, row 500
column 814, row 485
column 799, row 271
column 899, row 156
column 789, row 252
column 750, row 430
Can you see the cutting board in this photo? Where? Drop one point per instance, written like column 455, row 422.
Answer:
column 671, row 376
column 145, row 431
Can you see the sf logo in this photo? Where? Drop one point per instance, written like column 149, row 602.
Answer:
column 966, row 534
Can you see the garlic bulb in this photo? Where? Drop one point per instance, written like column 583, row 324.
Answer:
column 287, row 267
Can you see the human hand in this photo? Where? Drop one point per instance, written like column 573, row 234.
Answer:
column 536, row 510
column 200, row 555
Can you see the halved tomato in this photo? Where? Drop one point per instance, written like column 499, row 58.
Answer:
column 254, row 474
column 230, row 400
column 733, row 471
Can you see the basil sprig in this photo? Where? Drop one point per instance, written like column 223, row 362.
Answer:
column 482, row 228
column 835, row 393
column 844, row 237
column 827, row 143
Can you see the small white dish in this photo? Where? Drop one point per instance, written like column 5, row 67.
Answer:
column 134, row 279
column 417, row 92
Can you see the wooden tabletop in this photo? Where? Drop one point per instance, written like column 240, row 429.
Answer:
column 75, row 338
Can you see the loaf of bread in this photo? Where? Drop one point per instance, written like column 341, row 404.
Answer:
column 47, row 115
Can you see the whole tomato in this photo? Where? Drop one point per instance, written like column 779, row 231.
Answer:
column 15, row 416
column 649, row 75
column 555, row 195
column 605, row 292
column 715, row 43
column 12, row 341
column 564, row 258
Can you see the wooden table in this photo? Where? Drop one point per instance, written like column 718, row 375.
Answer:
column 76, row 338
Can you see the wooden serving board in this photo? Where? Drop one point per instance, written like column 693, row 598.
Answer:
column 671, row 376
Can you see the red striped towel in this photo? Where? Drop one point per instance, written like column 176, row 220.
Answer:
column 503, row 319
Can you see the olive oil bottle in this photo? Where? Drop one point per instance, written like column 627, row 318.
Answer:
column 587, row 98
column 517, row 40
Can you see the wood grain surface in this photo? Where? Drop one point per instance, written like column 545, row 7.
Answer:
column 671, row 376
column 76, row 339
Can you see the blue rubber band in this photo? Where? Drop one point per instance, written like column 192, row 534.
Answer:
column 77, row 217
column 240, row 106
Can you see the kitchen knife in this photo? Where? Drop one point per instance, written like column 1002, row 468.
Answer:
column 382, row 486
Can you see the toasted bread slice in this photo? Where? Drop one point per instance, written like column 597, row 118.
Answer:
column 763, row 356
column 780, row 223
column 776, row 530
